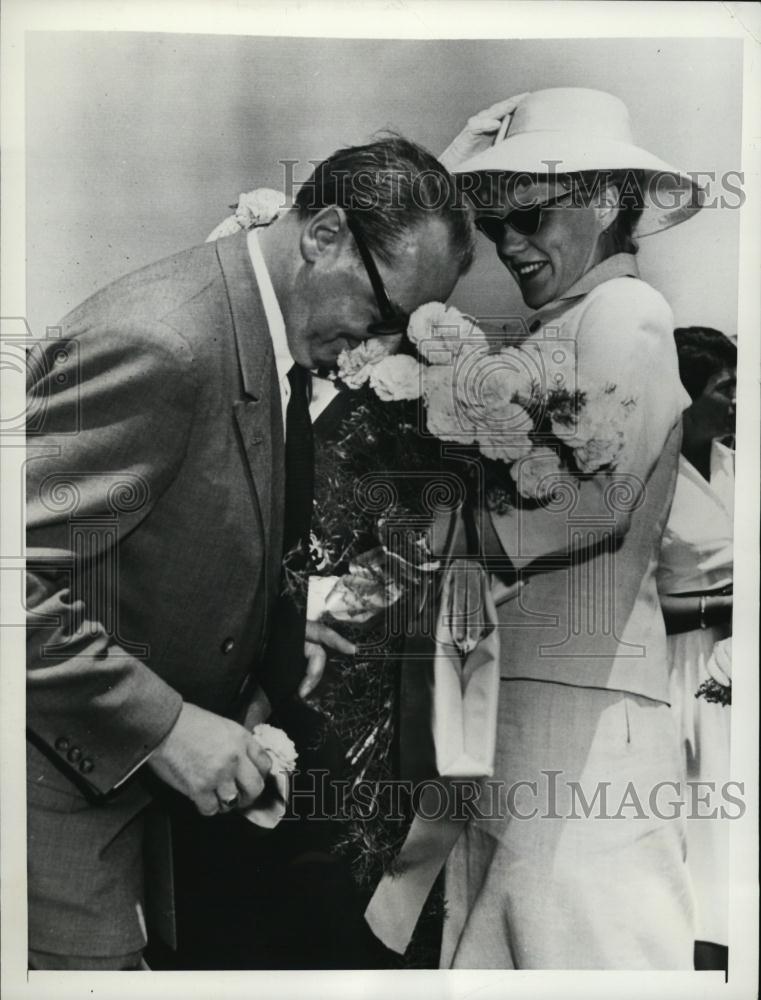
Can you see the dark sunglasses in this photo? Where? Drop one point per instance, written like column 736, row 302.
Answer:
column 394, row 319
column 526, row 221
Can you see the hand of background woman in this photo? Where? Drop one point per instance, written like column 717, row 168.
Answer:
column 479, row 132
column 719, row 665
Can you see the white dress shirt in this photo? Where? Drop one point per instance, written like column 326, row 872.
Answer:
column 283, row 357
column 323, row 390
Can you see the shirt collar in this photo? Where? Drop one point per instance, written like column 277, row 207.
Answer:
column 283, row 357
column 618, row 266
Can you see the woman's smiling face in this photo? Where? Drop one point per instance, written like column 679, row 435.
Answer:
column 567, row 245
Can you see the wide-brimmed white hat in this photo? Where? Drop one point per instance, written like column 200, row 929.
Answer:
column 567, row 130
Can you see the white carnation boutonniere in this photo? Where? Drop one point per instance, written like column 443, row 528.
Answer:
column 270, row 807
column 278, row 745
column 255, row 208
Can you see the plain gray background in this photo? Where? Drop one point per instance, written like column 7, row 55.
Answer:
column 137, row 143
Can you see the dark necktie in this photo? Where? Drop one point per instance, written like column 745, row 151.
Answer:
column 299, row 462
column 284, row 663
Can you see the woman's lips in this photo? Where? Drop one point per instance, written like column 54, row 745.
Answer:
column 529, row 269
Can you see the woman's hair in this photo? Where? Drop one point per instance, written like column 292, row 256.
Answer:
column 630, row 184
column 702, row 352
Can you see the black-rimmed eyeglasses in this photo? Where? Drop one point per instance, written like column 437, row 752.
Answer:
column 394, row 319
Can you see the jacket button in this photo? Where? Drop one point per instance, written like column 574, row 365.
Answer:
column 74, row 754
column 62, row 744
column 86, row 765
column 228, row 645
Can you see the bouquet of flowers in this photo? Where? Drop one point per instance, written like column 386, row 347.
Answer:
column 518, row 406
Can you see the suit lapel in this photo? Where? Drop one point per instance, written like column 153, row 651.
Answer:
column 258, row 414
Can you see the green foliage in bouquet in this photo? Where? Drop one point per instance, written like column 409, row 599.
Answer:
column 377, row 480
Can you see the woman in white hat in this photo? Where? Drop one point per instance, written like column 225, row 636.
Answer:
column 584, row 866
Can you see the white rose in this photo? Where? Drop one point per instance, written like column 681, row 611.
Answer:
column 396, row 377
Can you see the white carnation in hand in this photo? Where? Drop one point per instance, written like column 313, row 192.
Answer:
column 436, row 331
column 278, row 745
column 534, row 474
column 355, row 366
column 396, row 377
column 268, row 810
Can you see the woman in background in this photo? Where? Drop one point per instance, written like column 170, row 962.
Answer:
column 695, row 582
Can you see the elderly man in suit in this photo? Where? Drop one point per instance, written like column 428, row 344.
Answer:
column 169, row 467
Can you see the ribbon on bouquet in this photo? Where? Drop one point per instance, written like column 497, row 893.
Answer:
column 466, row 673
column 463, row 704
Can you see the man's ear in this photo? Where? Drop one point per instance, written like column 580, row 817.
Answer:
column 607, row 210
column 324, row 233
